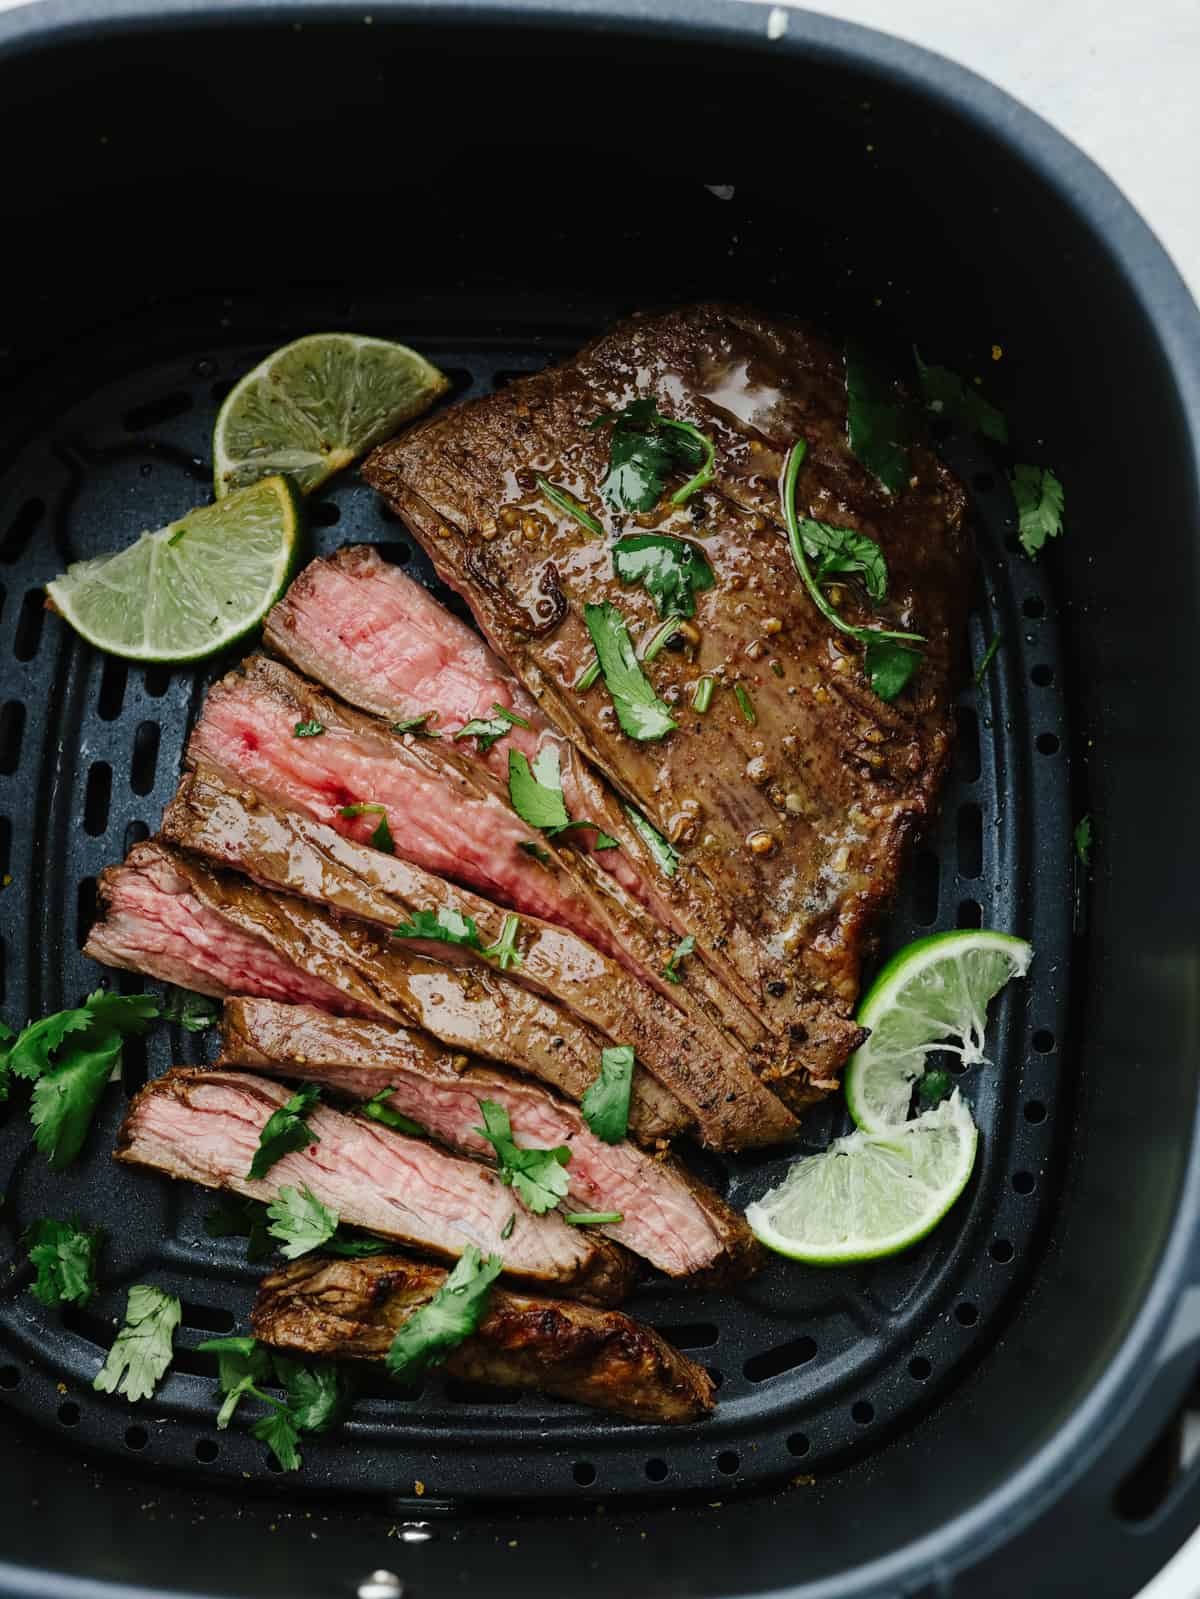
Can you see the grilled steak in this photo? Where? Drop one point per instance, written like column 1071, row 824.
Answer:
column 204, row 1126
column 804, row 789
column 670, row 1219
column 169, row 916
column 290, row 851
column 353, row 1308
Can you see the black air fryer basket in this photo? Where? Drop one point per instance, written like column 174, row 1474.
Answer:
column 187, row 188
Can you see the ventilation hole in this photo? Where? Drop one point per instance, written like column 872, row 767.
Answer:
column 656, row 1470
column 1035, row 1111
column 774, row 1362
column 798, row 1444
column 584, row 1473
column 145, row 758
column 96, row 799
column 1043, row 676
column 206, row 1451
column 157, row 681
column 85, row 909
column 5, row 845
column 983, row 482
column 970, row 841
column 919, row 1369
column 68, row 1413
column 136, row 1437
column 966, row 748
column 20, row 531
column 1047, row 743
column 177, row 403
column 1146, row 1487
column 925, row 887
column 1024, row 1182
column 690, row 1335
column 9, row 1376
column 727, row 1462
column 112, row 688
column 461, row 1392
column 1034, row 606
column 208, row 1318
column 1043, row 1041
column 324, row 513
column 12, row 731
column 135, row 833
column 134, row 1071
column 862, row 1412
column 1001, row 1250
column 967, row 1315
column 222, row 389
column 970, row 914
column 29, row 625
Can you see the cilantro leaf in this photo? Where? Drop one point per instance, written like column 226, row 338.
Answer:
column 889, row 666
column 877, row 422
column 1084, row 839
column 279, row 1432
column 312, row 729
column 605, row 1104
column 945, row 393
column 840, row 550
column 666, row 858
column 445, row 925
column 381, row 838
column 536, row 1174
column 536, row 850
column 568, row 503
column 505, row 715
column 317, row 1395
column 486, row 733
column 641, row 713
column 64, row 1255
column 64, row 1101
column 451, row 1316
column 506, row 1230
column 504, row 951
column 933, row 1087
column 300, row 1221
column 379, row 1109
column 418, row 726
column 644, row 450
column 195, row 1013
column 234, row 1217
column 1039, row 497
column 536, row 800
column 31, row 1054
column 681, row 951
column 670, row 570
column 355, row 1246
column 285, row 1131
column 142, row 1350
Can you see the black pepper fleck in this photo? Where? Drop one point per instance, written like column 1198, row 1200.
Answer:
column 777, row 989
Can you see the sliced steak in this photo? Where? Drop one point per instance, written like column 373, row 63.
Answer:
column 670, row 1219
column 803, row 792
column 204, row 1126
column 283, row 849
column 172, row 917
column 353, row 1308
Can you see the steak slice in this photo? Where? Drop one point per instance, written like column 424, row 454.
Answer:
column 804, row 795
column 285, row 850
column 670, row 1219
column 353, row 1308
column 171, row 917
column 204, row 1126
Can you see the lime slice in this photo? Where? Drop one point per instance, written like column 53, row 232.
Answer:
column 311, row 407
column 192, row 587
column 867, row 1196
column 934, row 993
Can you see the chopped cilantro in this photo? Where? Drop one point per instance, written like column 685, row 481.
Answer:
column 64, row 1256
column 445, row 925
column 1039, row 497
column 537, row 796
column 451, row 1316
column 877, row 424
column 536, row 1174
column 142, row 1350
column 645, row 449
column 702, row 695
column 682, row 950
column 504, row 951
column 316, row 1396
column 605, row 1104
column 593, row 1218
column 665, row 857
column 285, row 1131
column 989, row 656
column 945, row 393
column 418, row 726
column 570, row 505
column 840, row 551
column 312, row 729
column 745, row 704
column 354, row 1245
column 300, row 1221
column 508, row 716
column 379, row 1109
column 671, row 570
column 1084, row 839
column 641, row 713
column 536, row 850
column 195, row 1013
column 933, row 1088
column 486, row 733
column 888, row 666
column 506, row 1230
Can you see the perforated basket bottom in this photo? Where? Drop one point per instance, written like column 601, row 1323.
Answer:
column 812, row 1365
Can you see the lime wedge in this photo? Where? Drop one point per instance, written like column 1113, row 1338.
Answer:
column 312, row 406
column 192, row 587
column 867, row 1196
column 934, row 993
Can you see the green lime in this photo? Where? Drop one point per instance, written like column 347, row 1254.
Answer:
column 866, row 1195
column 933, row 994
column 192, row 587
column 312, row 406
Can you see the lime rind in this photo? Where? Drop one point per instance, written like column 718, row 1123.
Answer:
column 870, row 1195
column 189, row 589
column 933, row 995
column 314, row 405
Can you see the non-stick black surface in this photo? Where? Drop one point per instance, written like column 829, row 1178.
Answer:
column 814, row 1366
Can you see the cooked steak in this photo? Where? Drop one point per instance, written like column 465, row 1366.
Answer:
column 169, row 916
column 283, row 849
column 802, row 789
column 204, row 1126
column 353, row 1308
column 670, row 1219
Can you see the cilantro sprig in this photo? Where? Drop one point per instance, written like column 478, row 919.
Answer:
column 504, row 951
column 449, row 1318
column 419, row 726
column 286, row 1130
column 443, row 926
column 143, row 1348
column 645, row 450
column 300, row 1221
column 64, row 1256
column 1039, row 497
column 671, row 570
column 538, row 1175
column 640, row 712
column 605, row 1104
column 381, row 838
column 315, row 1396
column 568, row 503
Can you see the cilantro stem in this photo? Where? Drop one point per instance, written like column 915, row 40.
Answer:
column 570, row 505
column 668, row 630
column 702, row 696
column 746, row 704
column 705, row 475
column 988, row 656
column 593, row 1218
column 588, row 676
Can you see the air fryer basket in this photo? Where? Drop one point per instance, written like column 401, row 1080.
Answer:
column 493, row 186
